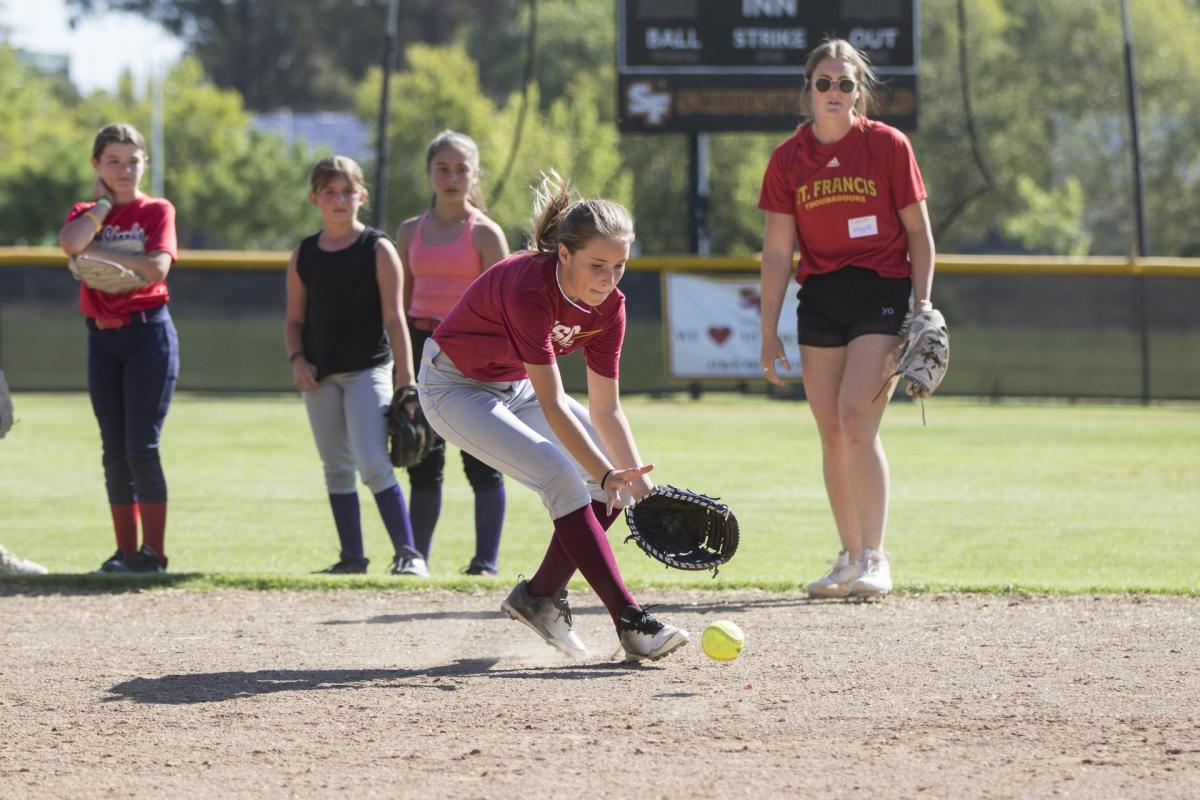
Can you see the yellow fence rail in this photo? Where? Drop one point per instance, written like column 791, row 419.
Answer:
column 946, row 263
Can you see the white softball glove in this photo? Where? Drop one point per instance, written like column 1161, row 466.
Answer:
column 925, row 355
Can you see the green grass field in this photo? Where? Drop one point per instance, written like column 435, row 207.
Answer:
column 1060, row 498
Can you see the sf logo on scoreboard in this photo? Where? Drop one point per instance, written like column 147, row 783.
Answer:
column 642, row 100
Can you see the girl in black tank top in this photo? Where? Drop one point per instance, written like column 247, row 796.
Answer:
column 349, row 349
column 343, row 326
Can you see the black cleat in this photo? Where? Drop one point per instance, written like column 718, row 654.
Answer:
column 348, row 565
column 117, row 562
column 482, row 568
column 146, row 561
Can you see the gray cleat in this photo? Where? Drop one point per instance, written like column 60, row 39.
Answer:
column 550, row 618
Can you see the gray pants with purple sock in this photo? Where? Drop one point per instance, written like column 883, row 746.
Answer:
column 346, row 413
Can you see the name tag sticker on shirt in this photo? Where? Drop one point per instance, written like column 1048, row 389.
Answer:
column 863, row 226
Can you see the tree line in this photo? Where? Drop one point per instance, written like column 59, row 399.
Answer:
column 1022, row 135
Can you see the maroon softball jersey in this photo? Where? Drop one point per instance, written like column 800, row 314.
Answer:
column 515, row 313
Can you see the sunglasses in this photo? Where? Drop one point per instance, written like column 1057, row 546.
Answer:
column 823, row 85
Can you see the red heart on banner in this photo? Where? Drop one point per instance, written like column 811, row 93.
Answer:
column 719, row 335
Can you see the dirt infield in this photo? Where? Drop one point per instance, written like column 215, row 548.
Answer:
column 433, row 694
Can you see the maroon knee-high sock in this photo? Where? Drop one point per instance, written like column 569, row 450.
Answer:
column 557, row 567
column 554, row 573
column 125, row 526
column 154, row 527
column 582, row 540
column 603, row 515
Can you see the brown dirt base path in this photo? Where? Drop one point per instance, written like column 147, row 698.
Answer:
column 430, row 694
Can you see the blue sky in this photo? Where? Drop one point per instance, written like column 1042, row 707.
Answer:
column 99, row 49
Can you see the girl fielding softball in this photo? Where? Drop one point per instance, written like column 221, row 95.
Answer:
column 849, row 191
column 489, row 383
column 349, row 349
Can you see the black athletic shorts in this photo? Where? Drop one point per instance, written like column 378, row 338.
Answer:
column 836, row 307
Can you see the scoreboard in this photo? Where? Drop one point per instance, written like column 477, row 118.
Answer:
column 738, row 65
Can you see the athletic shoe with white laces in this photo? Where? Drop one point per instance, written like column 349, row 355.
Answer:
column 12, row 565
column 837, row 582
column 548, row 617
column 406, row 564
column 876, row 577
column 642, row 636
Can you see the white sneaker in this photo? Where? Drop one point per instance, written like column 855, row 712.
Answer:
column 642, row 636
column 11, row 565
column 548, row 617
column 409, row 565
column 837, row 582
column 876, row 577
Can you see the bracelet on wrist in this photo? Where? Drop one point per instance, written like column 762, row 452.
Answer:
column 292, row 358
column 104, row 201
column 95, row 220
column 604, row 480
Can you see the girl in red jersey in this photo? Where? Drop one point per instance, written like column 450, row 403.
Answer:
column 442, row 252
column 489, row 383
column 849, row 191
column 133, row 350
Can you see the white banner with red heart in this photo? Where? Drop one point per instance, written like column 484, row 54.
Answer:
column 713, row 327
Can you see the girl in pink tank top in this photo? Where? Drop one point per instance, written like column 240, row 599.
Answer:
column 443, row 251
column 441, row 273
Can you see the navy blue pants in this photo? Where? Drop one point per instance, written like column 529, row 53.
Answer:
column 131, row 377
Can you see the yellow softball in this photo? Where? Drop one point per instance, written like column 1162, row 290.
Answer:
column 722, row 641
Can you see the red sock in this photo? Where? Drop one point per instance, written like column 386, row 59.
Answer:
column 125, row 525
column 154, row 527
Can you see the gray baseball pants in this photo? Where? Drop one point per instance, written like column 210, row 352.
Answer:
column 502, row 424
column 346, row 412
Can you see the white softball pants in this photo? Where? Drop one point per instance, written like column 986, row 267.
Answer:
column 502, row 424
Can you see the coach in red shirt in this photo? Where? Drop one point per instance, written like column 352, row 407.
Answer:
column 847, row 190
